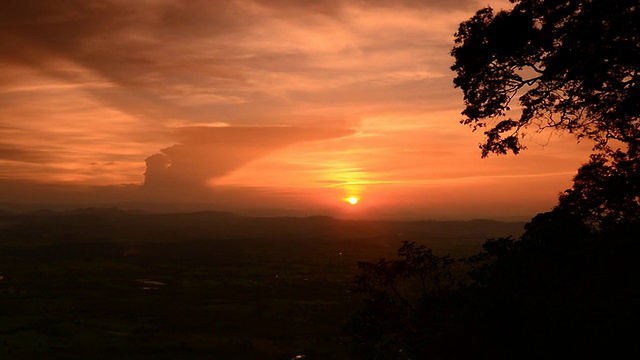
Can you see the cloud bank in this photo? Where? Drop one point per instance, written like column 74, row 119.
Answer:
column 113, row 100
column 207, row 153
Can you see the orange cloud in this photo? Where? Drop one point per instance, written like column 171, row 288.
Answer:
column 89, row 89
column 206, row 153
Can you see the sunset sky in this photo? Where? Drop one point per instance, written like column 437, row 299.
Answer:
column 272, row 106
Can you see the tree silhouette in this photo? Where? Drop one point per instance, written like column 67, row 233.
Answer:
column 606, row 191
column 401, row 298
column 572, row 64
column 565, row 287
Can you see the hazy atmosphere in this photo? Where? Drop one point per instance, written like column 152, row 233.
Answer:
column 262, row 106
column 314, row 180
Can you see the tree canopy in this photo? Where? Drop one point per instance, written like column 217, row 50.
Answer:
column 573, row 66
column 565, row 284
column 605, row 192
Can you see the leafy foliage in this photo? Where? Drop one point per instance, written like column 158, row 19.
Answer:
column 606, row 191
column 401, row 296
column 573, row 64
column 566, row 286
column 561, row 287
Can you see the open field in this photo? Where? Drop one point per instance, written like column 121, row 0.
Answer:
column 113, row 284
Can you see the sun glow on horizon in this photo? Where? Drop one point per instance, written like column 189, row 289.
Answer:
column 353, row 200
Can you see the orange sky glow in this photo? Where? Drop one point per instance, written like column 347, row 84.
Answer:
column 270, row 106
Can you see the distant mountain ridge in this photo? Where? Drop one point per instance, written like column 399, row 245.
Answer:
column 114, row 224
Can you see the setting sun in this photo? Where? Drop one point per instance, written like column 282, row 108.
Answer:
column 249, row 131
column 352, row 200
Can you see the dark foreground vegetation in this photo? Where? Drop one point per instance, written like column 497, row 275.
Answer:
column 567, row 287
column 560, row 290
column 110, row 284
